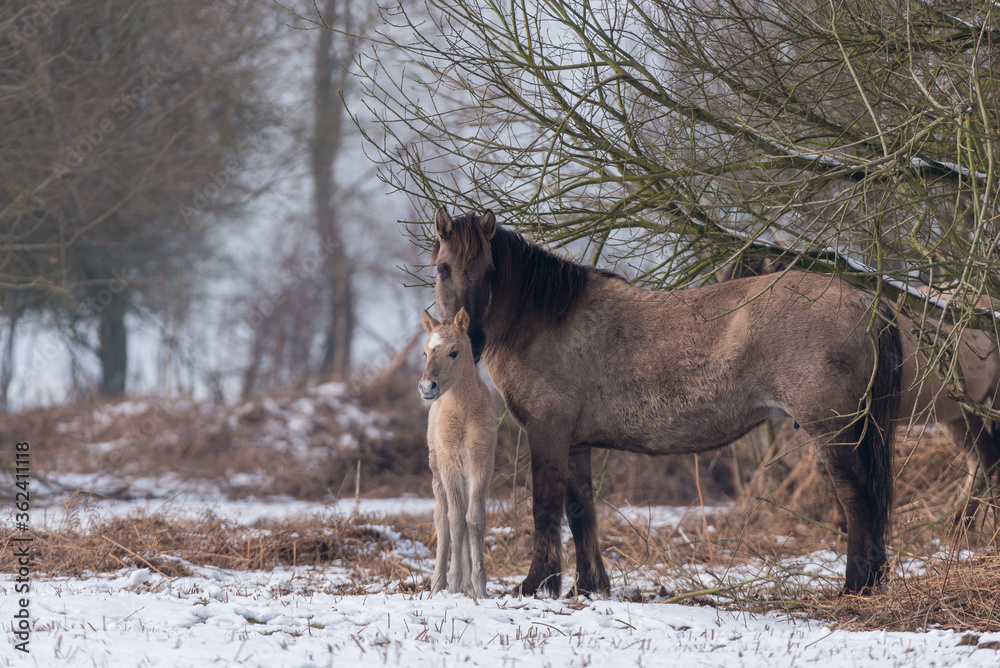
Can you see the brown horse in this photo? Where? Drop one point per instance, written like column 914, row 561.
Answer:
column 584, row 359
column 924, row 397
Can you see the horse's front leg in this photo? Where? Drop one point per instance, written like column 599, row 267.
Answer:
column 458, row 571
column 479, row 489
column 582, row 515
column 440, row 578
column 549, row 460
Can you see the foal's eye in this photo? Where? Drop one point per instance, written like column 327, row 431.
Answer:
column 453, row 354
column 444, row 270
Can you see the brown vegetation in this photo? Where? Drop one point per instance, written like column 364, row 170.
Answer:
column 782, row 509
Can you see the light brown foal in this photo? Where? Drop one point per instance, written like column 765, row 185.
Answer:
column 461, row 441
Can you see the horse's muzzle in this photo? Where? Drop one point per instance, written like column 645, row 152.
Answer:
column 429, row 389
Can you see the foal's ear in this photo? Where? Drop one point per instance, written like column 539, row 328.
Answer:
column 429, row 322
column 462, row 320
column 442, row 224
column 489, row 224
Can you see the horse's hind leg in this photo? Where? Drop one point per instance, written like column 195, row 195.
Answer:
column 989, row 455
column 549, row 460
column 590, row 574
column 969, row 431
column 857, row 490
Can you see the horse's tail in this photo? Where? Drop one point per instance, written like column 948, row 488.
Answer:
column 876, row 445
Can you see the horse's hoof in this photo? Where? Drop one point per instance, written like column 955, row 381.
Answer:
column 866, row 589
column 524, row 589
column 589, row 593
column 601, row 588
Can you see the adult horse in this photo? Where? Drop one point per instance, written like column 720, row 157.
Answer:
column 925, row 398
column 584, row 359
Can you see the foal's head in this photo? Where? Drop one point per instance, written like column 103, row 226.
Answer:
column 448, row 354
column 465, row 269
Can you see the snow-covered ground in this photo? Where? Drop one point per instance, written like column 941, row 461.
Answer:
column 288, row 618
column 300, row 617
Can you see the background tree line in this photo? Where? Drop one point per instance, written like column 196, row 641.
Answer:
column 856, row 137
column 138, row 140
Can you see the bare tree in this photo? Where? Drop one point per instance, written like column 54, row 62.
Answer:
column 859, row 138
column 126, row 125
column 282, row 329
column 333, row 52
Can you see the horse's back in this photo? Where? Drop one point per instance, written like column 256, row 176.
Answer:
column 697, row 368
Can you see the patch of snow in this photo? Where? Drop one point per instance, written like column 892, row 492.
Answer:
column 330, row 390
column 294, row 617
column 139, row 576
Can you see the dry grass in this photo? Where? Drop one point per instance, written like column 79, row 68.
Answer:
column 648, row 563
column 784, row 508
column 153, row 437
column 171, row 546
column 958, row 594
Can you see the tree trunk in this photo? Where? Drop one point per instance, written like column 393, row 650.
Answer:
column 328, row 122
column 112, row 351
column 7, row 359
column 337, row 346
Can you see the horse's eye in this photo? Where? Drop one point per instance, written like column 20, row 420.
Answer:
column 444, row 270
column 453, row 354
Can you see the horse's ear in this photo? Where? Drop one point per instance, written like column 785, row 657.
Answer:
column 429, row 322
column 462, row 320
column 442, row 224
column 489, row 224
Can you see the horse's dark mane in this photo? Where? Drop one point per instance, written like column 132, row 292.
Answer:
column 537, row 279
column 532, row 277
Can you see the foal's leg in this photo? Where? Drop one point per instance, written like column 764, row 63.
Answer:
column 549, row 461
column 440, row 579
column 479, row 488
column 458, row 573
column 590, row 574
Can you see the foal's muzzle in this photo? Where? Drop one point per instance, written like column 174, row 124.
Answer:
column 429, row 389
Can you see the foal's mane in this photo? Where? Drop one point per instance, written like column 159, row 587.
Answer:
column 528, row 274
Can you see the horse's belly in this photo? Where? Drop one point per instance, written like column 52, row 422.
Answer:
column 687, row 432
